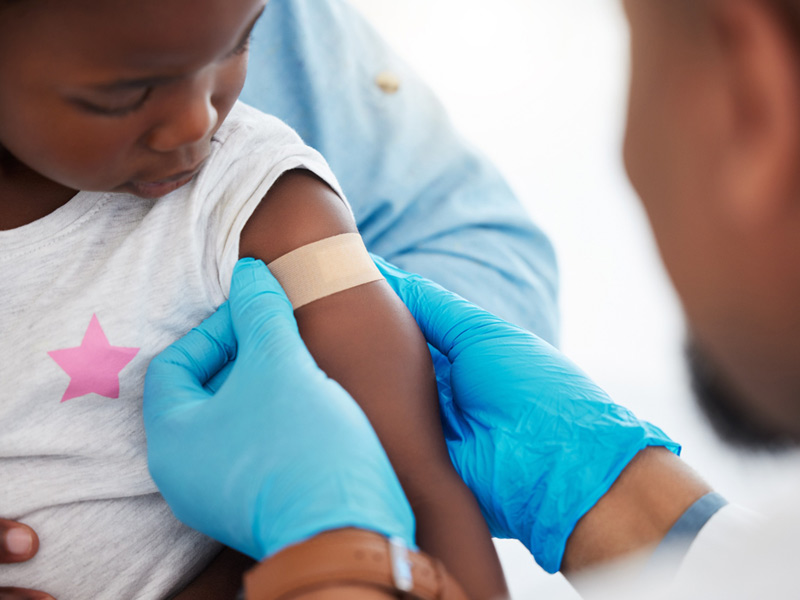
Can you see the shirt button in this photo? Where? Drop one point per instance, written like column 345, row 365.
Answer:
column 388, row 82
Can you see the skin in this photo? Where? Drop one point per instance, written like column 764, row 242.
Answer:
column 24, row 549
column 713, row 153
column 651, row 494
column 367, row 341
column 712, row 145
column 60, row 63
column 646, row 500
column 126, row 97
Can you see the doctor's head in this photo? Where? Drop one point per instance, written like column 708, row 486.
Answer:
column 713, row 149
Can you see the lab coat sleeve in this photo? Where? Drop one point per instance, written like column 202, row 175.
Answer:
column 734, row 556
column 685, row 531
column 423, row 198
column 732, row 532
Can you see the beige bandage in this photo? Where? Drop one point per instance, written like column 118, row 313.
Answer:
column 323, row 268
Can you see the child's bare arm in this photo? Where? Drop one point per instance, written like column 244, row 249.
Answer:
column 366, row 340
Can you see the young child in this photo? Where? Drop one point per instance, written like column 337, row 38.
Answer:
column 130, row 183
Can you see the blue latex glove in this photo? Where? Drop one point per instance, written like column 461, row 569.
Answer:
column 279, row 452
column 533, row 437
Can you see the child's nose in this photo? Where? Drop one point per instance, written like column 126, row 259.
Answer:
column 188, row 121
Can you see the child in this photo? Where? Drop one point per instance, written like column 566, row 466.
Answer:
column 130, row 183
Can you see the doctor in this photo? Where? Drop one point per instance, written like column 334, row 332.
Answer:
column 712, row 147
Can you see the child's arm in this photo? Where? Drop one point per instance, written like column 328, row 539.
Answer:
column 366, row 340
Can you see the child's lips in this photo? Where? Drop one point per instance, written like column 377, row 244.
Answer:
column 156, row 189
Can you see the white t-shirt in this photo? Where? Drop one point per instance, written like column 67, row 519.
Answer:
column 90, row 294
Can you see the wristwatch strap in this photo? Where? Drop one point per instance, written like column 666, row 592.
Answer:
column 349, row 557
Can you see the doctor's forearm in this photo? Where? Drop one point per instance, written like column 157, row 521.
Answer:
column 648, row 498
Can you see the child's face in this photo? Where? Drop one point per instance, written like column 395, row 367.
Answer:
column 114, row 95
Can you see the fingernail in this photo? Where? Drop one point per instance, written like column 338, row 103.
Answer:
column 18, row 541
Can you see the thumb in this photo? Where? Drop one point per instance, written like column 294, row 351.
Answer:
column 182, row 369
column 262, row 315
column 18, row 542
column 449, row 322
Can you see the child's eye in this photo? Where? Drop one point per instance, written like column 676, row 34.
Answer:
column 117, row 106
column 243, row 46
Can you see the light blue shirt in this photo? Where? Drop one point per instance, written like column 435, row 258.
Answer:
column 423, row 198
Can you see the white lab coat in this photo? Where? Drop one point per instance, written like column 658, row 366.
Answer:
column 738, row 555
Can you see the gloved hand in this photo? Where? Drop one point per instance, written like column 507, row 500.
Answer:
column 536, row 441
column 276, row 454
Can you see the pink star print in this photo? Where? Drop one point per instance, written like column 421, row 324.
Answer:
column 94, row 366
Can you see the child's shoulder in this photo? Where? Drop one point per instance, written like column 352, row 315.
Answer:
column 250, row 151
column 247, row 128
column 251, row 148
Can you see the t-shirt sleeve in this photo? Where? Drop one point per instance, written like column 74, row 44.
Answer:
column 251, row 153
column 424, row 198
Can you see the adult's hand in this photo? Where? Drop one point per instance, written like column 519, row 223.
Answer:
column 18, row 543
column 533, row 437
column 266, row 451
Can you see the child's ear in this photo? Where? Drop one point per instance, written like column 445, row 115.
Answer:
column 760, row 155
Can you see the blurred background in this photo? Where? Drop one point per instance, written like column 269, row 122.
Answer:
column 540, row 87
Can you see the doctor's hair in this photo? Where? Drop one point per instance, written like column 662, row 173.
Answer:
column 789, row 13
column 9, row 3
column 727, row 411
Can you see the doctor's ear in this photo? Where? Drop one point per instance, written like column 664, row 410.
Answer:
column 759, row 54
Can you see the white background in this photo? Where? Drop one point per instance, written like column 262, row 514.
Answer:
column 539, row 86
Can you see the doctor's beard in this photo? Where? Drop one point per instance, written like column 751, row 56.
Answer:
column 730, row 414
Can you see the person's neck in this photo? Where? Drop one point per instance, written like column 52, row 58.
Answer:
column 26, row 196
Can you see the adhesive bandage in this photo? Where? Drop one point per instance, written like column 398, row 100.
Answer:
column 324, row 268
